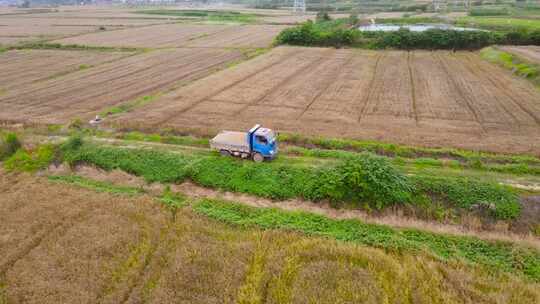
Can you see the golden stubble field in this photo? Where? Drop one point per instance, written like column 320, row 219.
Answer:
column 63, row 244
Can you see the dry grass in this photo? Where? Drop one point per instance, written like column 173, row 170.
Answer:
column 113, row 249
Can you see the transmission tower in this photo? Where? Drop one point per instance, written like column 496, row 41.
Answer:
column 299, row 6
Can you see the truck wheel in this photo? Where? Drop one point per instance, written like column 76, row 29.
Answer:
column 257, row 157
column 224, row 153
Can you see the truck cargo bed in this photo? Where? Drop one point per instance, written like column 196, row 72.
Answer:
column 230, row 141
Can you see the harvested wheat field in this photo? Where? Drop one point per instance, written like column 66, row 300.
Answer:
column 170, row 35
column 528, row 52
column 84, row 92
column 252, row 36
column 23, row 67
column 62, row 244
column 422, row 97
column 182, row 35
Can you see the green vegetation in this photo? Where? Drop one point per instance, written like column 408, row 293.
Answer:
column 94, row 185
column 9, row 144
column 395, row 150
column 500, row 23
column 209, row 15
column 326, row 33
column 58, row 46
column 487, row 11
column 511, row 62
column 361, row 179
column 30, row 161
column 517, row 167
column 129, row 106
column 342, row 32
column 496, row 255
column 469, row 194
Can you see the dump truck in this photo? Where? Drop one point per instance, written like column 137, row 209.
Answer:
column 258, row 143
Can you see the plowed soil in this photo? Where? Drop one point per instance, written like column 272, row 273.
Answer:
column 23, row 67
column 84, row 92
column 182, row 35
column 421, row 97
column 62, row 244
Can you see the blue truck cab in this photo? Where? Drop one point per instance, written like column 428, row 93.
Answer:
column 258, row 143
column 263, row 141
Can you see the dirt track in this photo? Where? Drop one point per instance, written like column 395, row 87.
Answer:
column 425, row 98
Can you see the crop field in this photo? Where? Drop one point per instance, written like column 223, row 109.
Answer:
column 23, row 67
column 20, row 28
column 182, row 35
column 430, row 98
column 87, row 91
column 135, row 250
column 258, row 36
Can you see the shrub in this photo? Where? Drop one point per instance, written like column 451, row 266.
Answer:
column 9, row 144
column 322, row 16
column 30, row 161
column 74, row 142
column 468, row 194
column 318, row 34
column 372, row 178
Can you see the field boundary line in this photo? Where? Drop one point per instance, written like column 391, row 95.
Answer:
column 369, row 93
column 413, row 93
column 231, row 85
column 460, row 92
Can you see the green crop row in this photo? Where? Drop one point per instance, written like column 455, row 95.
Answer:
column 422, row 162
column 496, row 255
column 364, row 178
column 394, row 150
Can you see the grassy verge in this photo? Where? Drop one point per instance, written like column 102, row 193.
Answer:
column 58, row 46
column 513, row 63
column 129, row 106
column 94, row 185
column 208, row 15
column 499, row 23
column 497, row 255
column 363, row 179
column 395, row 150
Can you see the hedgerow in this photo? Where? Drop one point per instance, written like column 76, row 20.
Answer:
column 362, row 178
column 339, row 33
column 497, row 255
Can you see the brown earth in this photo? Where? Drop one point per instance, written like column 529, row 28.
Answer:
column 182, row 35
column 422, row 98
column 23, row 67
column 61, row 244
column 83, row 93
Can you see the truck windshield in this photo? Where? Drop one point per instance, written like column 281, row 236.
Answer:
column 271, row 136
